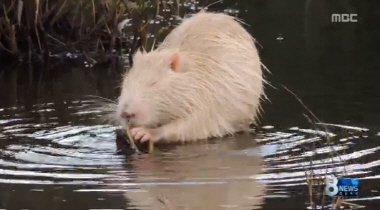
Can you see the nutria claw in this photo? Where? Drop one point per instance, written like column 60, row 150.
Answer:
column 143, row 134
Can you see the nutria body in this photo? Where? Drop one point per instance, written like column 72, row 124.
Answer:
column 204, row 80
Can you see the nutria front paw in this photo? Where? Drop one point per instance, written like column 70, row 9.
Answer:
column 144, row 134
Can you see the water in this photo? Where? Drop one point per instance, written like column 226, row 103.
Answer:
column 55, row 153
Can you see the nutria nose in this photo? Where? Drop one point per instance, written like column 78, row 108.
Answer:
column 127, row 115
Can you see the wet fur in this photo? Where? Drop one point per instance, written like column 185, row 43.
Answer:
column 213, row 89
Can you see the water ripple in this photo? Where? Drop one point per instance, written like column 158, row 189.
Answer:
column 51, row 153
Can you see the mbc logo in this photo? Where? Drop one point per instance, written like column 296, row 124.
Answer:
column 345, row 18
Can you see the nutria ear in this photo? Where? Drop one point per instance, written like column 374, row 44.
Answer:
column 175, row 62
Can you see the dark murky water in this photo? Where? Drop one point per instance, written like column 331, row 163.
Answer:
column 55, row 153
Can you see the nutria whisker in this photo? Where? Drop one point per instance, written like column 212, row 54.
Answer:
column 104, row 99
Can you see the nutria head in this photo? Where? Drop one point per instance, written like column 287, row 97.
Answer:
column 145, row 87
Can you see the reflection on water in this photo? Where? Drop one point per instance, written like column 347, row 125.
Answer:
column 63, row 155
column 57, row 153
column 200, row 177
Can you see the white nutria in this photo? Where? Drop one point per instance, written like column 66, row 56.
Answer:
column 204, row 80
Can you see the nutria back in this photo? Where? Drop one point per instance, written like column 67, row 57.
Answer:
column 208, row 33
column 225, row 54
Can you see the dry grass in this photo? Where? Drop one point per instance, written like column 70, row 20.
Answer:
column 316, row 182
column 38, row 28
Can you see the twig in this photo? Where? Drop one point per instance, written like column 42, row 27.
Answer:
column 131, row 140
column 166, row 203
column 301, row 103
column 337, row 200
column 13, row 41
column 93, row 12
column 3, row 48
column 352, row 204
column 51, row 37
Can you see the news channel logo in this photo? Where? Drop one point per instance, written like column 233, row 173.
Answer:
column 346, row 187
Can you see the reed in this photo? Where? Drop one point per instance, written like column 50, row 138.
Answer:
column 37, row 29
column 315, row 182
